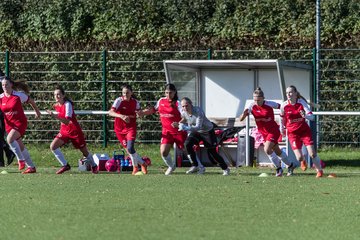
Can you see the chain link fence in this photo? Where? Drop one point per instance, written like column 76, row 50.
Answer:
column 93, row 80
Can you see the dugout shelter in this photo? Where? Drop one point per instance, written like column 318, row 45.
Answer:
column 222, row 88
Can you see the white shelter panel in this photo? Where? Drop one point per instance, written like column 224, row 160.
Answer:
column 270, row 84
column 300, row 78
column 224, row 92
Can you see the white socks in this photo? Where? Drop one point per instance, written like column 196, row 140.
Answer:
column 274, row 159
column 16, row 149
column 136, row 159
column 27, row 158
column 59, row 156
column 316, row 161
column 284, row 158
column 168, row 161
column 91, row 160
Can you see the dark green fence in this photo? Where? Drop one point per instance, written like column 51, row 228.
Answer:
column 94, row 79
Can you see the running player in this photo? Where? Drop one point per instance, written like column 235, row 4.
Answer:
column 294, row 112
column 124, row 111
column 199, row 128
column 169, row 109
column 16, row 121
column 263, row 112
column 70, row 130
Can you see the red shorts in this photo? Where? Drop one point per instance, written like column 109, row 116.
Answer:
column 297, row 139
column 171, row 138
column 21, row 129
column 123, row 137
column 77, row 139
column 271, row 137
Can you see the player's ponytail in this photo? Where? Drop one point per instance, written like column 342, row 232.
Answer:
column 258, row 92
column 18, row 85
column 299, row 96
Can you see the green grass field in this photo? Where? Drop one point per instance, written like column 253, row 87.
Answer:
column 79, row 205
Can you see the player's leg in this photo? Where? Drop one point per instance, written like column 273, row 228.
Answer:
column 55, row 149
column 11, row 138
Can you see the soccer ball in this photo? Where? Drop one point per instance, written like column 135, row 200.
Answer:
column 111, row 165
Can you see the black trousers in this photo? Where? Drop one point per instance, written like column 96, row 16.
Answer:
column 4, row 147
column 210, row 143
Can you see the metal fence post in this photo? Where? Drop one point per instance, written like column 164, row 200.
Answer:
column 104, row 91
column 209, row 55
column 316, row 125
column 7, row 63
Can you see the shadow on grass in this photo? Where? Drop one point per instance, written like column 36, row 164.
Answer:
column 343, row 163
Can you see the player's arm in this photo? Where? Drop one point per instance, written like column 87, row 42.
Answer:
column 146, row 111
column 306, row 113
column 35, row 107
column 282, row 119
column 125, row 118
column 244, row 114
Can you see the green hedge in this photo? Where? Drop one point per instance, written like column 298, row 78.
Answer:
column 175, row 24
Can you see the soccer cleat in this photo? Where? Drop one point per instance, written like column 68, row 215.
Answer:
column 291, row 170
column 169, row 171
column 95, row 169
column 303, row 165
column 201, row 170
column 21, row 164
column 193, row 169
column 279, row 172
column 319, row 174
column 144, row 168
column 135, row 170
column 226, row 172
column 29, row 170
column 63, row 169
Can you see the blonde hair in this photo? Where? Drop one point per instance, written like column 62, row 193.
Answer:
column 258, row 92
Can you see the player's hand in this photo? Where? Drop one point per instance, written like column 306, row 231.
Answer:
column 50, row 113
column 302, row 113
column 175, row 124
column 125, row 118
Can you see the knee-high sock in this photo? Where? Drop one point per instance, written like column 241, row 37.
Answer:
column 199, row 162
column 274, row 159
column 91, row 159
column 16, row 149
column 285, row 158
column 316, row 161
column 27, row 158
column 168, row 161
column 136, row 159
column 59, row 156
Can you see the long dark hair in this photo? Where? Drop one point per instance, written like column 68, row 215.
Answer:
column 61, row 89
column 18, row 85
column 171, row 87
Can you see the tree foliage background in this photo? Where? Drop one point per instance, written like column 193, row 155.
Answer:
column 175, row 24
